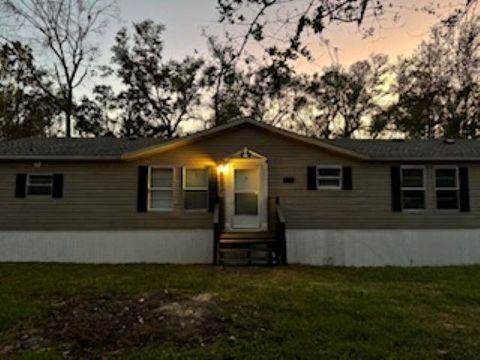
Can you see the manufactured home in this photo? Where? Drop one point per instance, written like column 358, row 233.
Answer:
column 240, row 193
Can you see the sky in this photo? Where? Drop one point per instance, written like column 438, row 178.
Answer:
column 187, row 20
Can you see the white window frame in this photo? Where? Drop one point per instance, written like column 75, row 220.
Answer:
column 27, row 185
column 197, row 188
column 423, row 188
column 339, row 177
column 161, row 188
column 457, row 188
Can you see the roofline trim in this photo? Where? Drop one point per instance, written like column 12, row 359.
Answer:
column 171, row 144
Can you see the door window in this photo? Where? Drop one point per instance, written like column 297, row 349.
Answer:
column 246, row 192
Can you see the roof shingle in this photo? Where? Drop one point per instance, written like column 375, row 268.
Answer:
column 114, row 148
column 412, row 149
column 74, row 147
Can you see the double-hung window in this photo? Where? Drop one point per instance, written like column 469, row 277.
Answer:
column 195, row 189
column 39, row 184
column 413, row 187
column 447, row 188
column 329, row 177
column 160, row 189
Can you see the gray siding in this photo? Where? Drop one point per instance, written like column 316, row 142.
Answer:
column 102, row 196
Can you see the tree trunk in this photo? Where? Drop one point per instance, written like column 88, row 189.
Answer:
column 68, row 123
column 68, row 113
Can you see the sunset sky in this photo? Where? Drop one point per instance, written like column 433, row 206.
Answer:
column 187, row 22
column 187, row 19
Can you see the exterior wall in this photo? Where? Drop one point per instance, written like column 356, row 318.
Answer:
column 384, row 247
column 103, row 196
column 157, row 246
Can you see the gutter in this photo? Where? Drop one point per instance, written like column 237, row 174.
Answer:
column 58, row 158
column 434, row 159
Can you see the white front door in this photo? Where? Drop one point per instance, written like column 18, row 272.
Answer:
column 246, row 196
column 246, row 188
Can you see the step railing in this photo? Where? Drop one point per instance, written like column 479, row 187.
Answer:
column 218, row 226
column 217, row 232
column 281, row 232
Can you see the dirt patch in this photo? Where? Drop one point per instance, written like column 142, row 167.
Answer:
column 91, row 328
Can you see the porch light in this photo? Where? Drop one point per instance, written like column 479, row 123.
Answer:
column 223, row 168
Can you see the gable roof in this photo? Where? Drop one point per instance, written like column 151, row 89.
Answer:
column 109, row 148
column 168, row 145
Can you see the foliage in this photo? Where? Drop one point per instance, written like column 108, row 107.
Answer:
column 224, row 81
column 438, row 87
column 263, row 91
column 24, row 109
column 94, row 117
column 165, row 92
column 436, row 91
column 345, row 100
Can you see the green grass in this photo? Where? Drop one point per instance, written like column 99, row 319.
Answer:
column 309, row 313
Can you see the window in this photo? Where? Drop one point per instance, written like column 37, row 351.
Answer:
column 39, row 184
column 413, row 187
column 160, row 189
column 447, row 188
column 195, row 186
column 329, row 177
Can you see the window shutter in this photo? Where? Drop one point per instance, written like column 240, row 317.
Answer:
column 396, row 193
column 57, row 191
column 312, row 178
column 464, row 190
column 212, row 188
column 21, row 185
column 347, row 178
column 142, row 194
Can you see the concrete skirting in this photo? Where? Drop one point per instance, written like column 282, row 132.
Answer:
column 157, row 246
column 432, row 247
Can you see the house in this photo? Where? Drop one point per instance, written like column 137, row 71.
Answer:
column 244, row 191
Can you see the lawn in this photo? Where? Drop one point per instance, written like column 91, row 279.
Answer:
column 256, row 313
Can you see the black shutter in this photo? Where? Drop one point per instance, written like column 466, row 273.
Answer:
column 142, row 189
column 347, row 178
column 21, row 185
column 57, row 191
column 464, row 190
column 312, row 178
column 212, row 188
column 396, row 193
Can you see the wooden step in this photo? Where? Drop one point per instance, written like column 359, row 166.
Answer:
column 245, row 257
column 247, row 248
column 247, row 235
column 243, row 250
column 247, row 241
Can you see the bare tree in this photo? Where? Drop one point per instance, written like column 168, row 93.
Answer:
column 61, row 31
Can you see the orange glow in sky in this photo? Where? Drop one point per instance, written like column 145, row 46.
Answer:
column 186, row 20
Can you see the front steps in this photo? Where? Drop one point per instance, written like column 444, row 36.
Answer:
column 247, row 248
